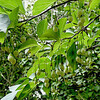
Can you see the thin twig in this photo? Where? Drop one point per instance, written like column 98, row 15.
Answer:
column 5, row 78
column 84, row 28
column 26, row 20
column 93, row 47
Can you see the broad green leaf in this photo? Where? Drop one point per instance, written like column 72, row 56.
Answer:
column 4, row 22
column 26, row 90
column 42, row 75
column 91, row 40
column 34, row 50
column 75, row 19
column 2, row 37
column 62, row 23
column 10, row 96
column 56, row 46
column 67, row 34
column 2, row 11
column 19, row 81
column 27, row 44
column 71, row 56
column 14, row 17
column 23, row 84
column 50, row 35
column 69, row 25
column 41, row 5
column 42, row 27
column 46, row 90
column 12, row 4
column 86, row 37
column 94, row 4
column 32, row 85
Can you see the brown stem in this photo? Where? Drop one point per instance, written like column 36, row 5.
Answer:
column 26, row 20
column 84, row 28
column 93, row 47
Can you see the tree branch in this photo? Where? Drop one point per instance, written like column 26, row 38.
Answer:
column 82, row 28
column 26, row 20
column 93, row 47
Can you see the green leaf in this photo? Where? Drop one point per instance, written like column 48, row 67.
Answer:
column 12, row 4
column 32, row 85
column 10, row 96
column 26, row 90
column 19, row 81
column 94, row 4
column 14, row 17
column 23, row 84
column 50, row 35
column 62, row 23
column 46, row 90
column 41, row 5
column 42, row 63
column 2, row 11
column 27, row 44
column 56, row 46
column 42, row 27
column 34, row 49
column 2, row 37
column 67, row 34
column 91, row 40
column 71, row 55
column 4, row 22
column 69, row 25
column 42, row 75
column 81, row 3
column 86, row 37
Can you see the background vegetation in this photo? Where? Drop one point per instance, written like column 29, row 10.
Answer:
column 50, row 50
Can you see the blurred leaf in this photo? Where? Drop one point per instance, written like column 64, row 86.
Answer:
column 71, row 56
column 2, row 11
column 26, row 90
column 14, row 17
column 2, row 37
column 69, row 25
column 50, row 35
column 56, row 46
column 62, row 23
column 46, row 90
column 23, row 84
column 34, row 50
column 12, row 4
column 91, row 40
column 94, row 4
column 27, row 44
column 41, row 5
column 81, row 3
column 19, row 81
column 42, row 27
column 67, row 34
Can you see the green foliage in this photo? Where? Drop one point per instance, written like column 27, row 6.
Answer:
column 42, row 5
column 53, row 57
column 14, row 17
column 12, row 4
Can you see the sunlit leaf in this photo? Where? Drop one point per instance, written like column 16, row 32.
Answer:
column 41, row 5
column 27, row 44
